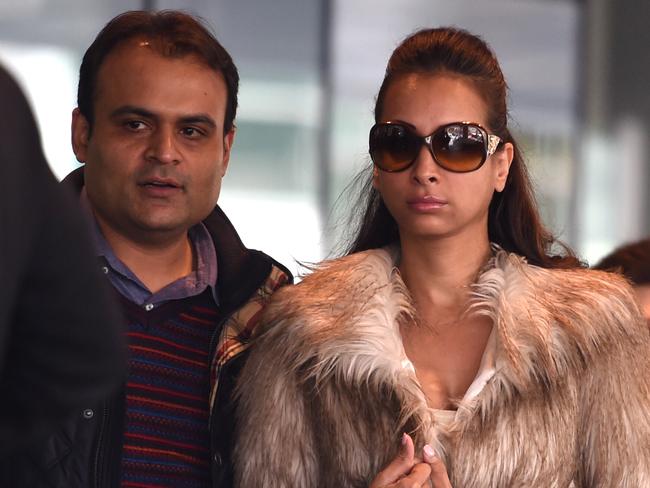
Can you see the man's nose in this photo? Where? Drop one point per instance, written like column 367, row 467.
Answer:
column 163, row 146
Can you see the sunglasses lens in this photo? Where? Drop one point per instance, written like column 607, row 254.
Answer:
column 393, row 147
column 459, row 147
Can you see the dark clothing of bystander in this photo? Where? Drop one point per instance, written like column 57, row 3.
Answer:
column 61, row 346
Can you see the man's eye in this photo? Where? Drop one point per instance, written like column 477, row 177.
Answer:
column 135, row 125
column 191, row 132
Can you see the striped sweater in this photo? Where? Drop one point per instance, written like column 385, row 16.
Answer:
column 166, row 437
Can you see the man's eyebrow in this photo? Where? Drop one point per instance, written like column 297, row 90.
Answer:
column 133, row 110
column 198, row 119
column 142, row 112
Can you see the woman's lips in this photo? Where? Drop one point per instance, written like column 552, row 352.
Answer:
column 426, row 203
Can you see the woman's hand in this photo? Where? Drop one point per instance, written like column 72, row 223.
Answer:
column 406, row 471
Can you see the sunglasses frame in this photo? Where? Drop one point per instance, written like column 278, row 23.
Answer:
column 491, row 143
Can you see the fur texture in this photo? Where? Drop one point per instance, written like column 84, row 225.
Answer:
column 324, row 396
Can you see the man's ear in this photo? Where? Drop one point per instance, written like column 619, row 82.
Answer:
column 228, row 141
column 503, row 162
column 80, row 135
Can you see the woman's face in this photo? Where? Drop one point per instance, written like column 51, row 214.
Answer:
column 425, row 199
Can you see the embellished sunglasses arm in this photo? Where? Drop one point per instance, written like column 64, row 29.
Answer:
column 493, row 142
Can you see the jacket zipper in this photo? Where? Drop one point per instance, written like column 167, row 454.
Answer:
column 213, row 340
column 217, row 330
column 100, row 439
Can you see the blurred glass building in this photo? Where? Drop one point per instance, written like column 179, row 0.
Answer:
column 578, row 72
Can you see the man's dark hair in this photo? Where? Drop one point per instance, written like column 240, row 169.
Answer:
column 172, row 34
column 632, row 260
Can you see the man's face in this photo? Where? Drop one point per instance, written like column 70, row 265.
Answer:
column 157, row 152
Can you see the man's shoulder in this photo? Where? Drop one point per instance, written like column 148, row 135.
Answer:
column 242, row 271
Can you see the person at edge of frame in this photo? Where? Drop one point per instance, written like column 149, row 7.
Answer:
column 632, row 260
column 61, row 341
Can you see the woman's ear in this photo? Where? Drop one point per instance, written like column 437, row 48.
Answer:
column 375, row 178
column 503, row 160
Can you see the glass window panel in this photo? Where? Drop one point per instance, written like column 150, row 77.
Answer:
column 42, row 43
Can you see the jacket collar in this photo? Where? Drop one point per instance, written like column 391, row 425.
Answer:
column 550, row 324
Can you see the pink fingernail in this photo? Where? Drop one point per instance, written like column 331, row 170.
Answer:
column 429, row 452
column 404, row 438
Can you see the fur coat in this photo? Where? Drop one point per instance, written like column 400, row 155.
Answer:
column 325, row 396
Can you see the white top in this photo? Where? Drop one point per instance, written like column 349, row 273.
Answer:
column 486, row 371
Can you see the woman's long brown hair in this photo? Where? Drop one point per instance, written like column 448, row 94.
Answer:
column 514, row 222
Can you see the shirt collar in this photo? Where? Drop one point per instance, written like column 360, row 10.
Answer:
column 204, row 276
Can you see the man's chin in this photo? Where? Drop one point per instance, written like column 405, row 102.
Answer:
column 164, row 226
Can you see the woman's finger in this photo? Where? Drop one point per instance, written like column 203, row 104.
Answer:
column 400, row 466
column 439, row 476
column 417, row 478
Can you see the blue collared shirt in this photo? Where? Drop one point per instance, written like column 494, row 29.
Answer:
column 130, row 286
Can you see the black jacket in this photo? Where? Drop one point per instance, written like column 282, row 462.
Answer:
column 86, row 452
column 61, row 343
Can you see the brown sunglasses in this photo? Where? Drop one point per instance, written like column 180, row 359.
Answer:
column 460, row 147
